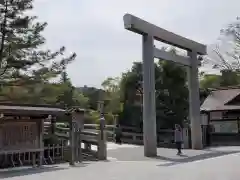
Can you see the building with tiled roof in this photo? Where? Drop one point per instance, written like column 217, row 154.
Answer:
column 221, row 112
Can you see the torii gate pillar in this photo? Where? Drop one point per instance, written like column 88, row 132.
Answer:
column 194, row 102
column 150, row 32
column 149, row 105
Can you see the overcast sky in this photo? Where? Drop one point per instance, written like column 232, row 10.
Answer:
column 94, row 29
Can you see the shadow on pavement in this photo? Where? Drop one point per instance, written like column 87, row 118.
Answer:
column 187, row 159
column 9, row 173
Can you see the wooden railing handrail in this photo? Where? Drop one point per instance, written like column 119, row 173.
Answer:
column 65, row 131
column 129, row 134
column 89, row 133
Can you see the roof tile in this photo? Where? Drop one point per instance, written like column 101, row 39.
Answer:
column 218, row 99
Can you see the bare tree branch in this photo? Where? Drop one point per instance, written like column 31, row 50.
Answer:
column 223, row 60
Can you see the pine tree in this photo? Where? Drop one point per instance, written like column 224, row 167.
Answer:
column 65, row 99
column 22, row 58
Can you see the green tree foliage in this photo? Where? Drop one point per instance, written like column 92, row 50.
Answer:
column 94, row 95
column 65, row 99
column 26, row 67
column 112, row 95
column 225, row 79
column 92, row 117
column 69, row 95
column 22, row 57
column 112, row 98
column 131, row 96
column 80, row 100
column 171, row 95
column 210, row 81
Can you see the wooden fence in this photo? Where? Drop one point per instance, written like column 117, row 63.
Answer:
column 56, row 153
column 52, row 154
column 133, row 135
column 130, row 135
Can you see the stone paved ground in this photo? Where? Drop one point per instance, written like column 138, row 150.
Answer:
column 128, row 163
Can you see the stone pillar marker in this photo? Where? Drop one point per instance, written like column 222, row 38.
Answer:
column 152, row 32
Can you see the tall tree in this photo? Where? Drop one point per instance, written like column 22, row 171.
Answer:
column 171, row 94
column 65, row 99
column 22, row 57
column 225, row 56
column 131, row 96
column 112, row 95
column 26, row 67
column 94, row 95
column 69, row 95
column 210, row 81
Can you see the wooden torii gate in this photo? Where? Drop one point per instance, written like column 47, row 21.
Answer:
column 151, row 32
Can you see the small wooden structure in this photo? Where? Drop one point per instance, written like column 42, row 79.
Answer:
column 21, row 133
column 76, row 126
column 221, row 114
column 78, row 135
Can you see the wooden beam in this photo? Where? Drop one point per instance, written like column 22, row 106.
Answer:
column 168, row 56
column 137, row 25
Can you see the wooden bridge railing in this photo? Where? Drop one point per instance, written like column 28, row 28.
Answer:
column 91, row 139
column 132, row 135
column 129, row 135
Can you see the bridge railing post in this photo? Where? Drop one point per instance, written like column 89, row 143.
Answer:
column 79, row 146
column 185, row 138
column 102, row 145
column 71, row 139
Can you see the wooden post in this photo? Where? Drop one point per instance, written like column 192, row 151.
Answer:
column 34, row 159
column 53, row 124
column 41, row 143
column 185, row 138
column 115, row 120
column 102, row 146
column 78, row 119
column 62, row 150
column 53, row 153
column 71, row 139
column 79, row 147
column 134, row 139
column 75, row 143
column 19, row 159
